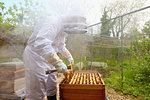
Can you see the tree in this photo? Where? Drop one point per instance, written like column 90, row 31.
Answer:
column 133, row 33
column 105, row 27
column 120, row 7
column 16, row 23
column 8, row 18
column 31, row 12
column 146, row 28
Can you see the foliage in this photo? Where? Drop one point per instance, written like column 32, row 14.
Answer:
column 31, row 12
column 105, row 27
column 133, row 33
column 146, row 28
column 23, row 16
column 16, row 24
column 141, row 52
column 8, row 18
column 120, row 7
column 137, row 74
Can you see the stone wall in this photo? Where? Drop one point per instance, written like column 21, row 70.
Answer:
column 8, row 50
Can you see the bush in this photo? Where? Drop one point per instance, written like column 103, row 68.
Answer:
column 136, row 79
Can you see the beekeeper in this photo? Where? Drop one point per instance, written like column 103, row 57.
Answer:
column 40, row 54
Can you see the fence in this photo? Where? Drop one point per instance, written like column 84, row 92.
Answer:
column 98, row 47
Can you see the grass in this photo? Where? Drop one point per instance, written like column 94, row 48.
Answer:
column 130, row 85
column 4, row 60
column 112, row 77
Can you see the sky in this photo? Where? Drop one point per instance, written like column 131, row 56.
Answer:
column 58, row 7
column 92, row 8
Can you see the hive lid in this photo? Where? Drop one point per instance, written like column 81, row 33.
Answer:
column 13, row 66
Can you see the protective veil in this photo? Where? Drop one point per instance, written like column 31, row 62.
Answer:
column 47, row 38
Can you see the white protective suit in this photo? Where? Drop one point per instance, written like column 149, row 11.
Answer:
column 48, row 37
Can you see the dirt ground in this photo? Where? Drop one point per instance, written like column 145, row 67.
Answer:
column 113, row 95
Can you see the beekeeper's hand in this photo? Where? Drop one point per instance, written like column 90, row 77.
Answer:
column 71, row 60
column 57, row 62
column 61, row 67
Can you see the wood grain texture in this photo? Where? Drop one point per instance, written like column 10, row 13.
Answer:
column 12, row 86
column 90, row 87
column 12, row 77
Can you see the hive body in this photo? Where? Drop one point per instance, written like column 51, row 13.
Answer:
column 84, row 85
column 12, row 78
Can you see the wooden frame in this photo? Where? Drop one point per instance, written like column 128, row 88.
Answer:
column 82, row 91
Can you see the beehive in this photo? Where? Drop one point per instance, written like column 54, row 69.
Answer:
column 84, row 85
column 12, row 78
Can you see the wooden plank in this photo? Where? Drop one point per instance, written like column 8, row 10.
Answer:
column 11, row 86
column 82, row 86
column 19, row 84
column 83, row 91
column 20, row 91
column 7, row 76
column 12, row 97
column 84, row 98
column 18, row 70
column 20, row 74
column 6, row 86
column 12, row 75
column 11, row 66
column 82, row 95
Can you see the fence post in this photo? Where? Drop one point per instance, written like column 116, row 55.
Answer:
column 130, row 52
column 92, row 48
column 122, row 52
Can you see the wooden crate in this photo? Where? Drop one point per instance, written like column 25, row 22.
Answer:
column 82, row 91
column 12, row 78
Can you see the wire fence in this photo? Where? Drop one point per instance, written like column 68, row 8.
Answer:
column 96, row 47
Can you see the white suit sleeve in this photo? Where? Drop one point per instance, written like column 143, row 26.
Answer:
column 62, row 45
column 65, row 53
column 62, row 48
column 44, row 39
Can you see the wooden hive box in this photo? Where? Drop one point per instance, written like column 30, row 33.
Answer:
column 82, row 91
column 12, row 78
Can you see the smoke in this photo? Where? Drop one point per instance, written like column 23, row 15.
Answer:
column 92, row 8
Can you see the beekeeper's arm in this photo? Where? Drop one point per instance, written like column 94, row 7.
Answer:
column 67, row 55
column 64, row 51
column 43, row 45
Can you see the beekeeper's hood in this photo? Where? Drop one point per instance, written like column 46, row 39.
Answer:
column 74, row 21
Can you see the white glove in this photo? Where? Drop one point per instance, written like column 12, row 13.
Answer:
column 61, row 67
column 71, row 60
